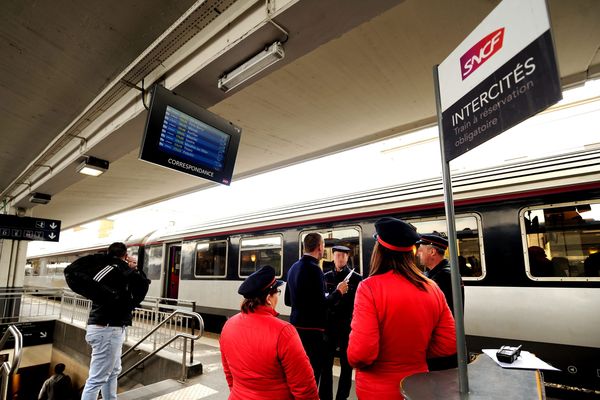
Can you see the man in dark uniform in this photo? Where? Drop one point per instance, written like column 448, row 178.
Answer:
column 337, row 331
column 305, row 293
column 430, row 255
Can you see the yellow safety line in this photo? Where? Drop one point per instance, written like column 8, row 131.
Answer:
column 538, row 380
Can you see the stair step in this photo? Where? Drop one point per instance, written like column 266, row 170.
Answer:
column 169, row 389
column 192, row 392
column 152, row 391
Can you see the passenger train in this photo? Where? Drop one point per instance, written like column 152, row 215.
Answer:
column 528, row 240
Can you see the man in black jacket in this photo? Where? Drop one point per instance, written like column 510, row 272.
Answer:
column 109, row 318
column 432, row 248
column 337, row 331
column 305, row 293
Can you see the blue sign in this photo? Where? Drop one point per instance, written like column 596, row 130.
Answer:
column 29, row 228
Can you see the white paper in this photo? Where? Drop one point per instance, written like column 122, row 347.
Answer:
column 526, row 360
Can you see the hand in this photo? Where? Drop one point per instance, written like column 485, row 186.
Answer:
column 343, row 287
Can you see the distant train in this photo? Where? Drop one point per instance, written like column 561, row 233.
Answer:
column 528, row 239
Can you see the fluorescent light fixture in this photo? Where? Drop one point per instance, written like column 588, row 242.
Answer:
column 253, row 66
column 92, row 166
column 40, row 198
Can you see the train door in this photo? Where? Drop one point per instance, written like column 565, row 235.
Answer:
column 173, row 263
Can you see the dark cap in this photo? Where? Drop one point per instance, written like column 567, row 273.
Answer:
column 343, row 249
column 396, row 235
column 260, row 282
column 435, row 239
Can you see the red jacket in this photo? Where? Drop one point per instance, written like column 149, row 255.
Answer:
column 263, row 358
column 395, row 327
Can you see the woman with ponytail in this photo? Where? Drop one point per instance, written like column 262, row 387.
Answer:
column 400, row 318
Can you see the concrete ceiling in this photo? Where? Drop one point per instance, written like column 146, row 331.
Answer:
column 354, row 72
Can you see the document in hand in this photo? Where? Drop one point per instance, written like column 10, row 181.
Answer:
column 347, row 278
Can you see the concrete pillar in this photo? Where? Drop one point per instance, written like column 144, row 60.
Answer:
column 13, row 256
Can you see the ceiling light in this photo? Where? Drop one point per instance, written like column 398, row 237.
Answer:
column 92, row 166
column 40, row 198
column 253, row 66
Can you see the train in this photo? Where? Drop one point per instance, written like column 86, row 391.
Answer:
column 528, row 240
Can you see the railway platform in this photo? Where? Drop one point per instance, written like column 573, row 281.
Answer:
column 161, row 379
column 210, row 385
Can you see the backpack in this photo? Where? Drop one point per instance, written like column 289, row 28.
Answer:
column 93, row 277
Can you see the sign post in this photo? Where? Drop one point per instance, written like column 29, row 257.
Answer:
column 501, row 74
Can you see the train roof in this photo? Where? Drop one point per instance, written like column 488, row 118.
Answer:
column 573, row 168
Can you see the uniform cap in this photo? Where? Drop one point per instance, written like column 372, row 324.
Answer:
column 395, row 234
column 343, row 249
column 260, row 282
column 435, row 239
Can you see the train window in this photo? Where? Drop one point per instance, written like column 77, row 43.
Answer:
column 133, row 251
column 55, row 268
column 211, row 259
column 34, row 267
column 470, row 249
column 256, row 252
column 562, row 241
column 153, row 257
column 344, row 236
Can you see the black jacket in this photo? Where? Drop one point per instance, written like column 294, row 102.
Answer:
column 129, row 286
column 305, row 293
column 441, row 275
column 339, row 315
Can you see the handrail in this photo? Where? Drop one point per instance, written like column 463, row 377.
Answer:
column 185, row 336
column 8, row 368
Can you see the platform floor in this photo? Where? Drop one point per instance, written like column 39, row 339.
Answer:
column 211, row 385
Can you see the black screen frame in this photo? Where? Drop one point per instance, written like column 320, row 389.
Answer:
column 151, row 152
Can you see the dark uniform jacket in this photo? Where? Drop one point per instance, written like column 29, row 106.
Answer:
column 441, row 274
column 340, row 313
column 305, row 293
column 130, row 287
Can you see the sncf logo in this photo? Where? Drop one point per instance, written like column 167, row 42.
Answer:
column 481, row 52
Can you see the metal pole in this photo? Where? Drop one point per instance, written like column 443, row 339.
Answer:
column 183, row 362
column 192, row 341
column 461, row 347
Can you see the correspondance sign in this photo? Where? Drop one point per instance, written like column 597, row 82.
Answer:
column 501, row 74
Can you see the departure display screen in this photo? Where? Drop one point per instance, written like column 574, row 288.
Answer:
column 185, row 136
column 182, row 136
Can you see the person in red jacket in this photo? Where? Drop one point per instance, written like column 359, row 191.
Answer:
column 262, row 355
column 400, row 317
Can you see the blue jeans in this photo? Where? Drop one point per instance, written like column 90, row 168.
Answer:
column 107, row 343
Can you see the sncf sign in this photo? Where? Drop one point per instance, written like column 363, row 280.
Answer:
column 481, row 52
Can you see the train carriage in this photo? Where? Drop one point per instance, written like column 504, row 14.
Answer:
column 528, row 240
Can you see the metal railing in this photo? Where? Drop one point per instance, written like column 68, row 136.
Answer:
column 185, row 336
column 9, row 368
column 74, row 309
column 166, row 322
column 30, row 304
